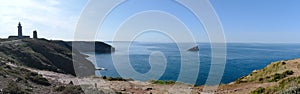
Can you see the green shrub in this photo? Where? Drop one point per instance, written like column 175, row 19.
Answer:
column 163, row 82
column 36, row 78
column 72, row 90
column 259, row 90
column 104, row 77
column 288, row 72
column 276, row 77
column 116, row 79
column 241, row 80
column 283, row 63
column 60, row 88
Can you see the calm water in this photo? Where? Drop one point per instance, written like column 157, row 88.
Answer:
column 242, row 59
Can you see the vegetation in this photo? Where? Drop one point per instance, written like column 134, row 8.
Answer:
column 60, row 88
column 285, row 86
column 290, row 82
column 278, row 73
column 272, row 73
column 259, row 90
column 14, row 88
column 162, row 82
column 115, row 79
column 277, row 76
column 17, row 80
column 291, row 90
column 38, row 79
column 69, row 89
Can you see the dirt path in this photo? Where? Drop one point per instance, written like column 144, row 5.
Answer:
column 136, row 87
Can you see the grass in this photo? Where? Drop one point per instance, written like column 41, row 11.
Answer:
column 115, row 79
column 278, row 76
column 289, row 81
column 162, row 82
column 285, row 86
column 271, row 73
column 23, row 75
column 112, row 78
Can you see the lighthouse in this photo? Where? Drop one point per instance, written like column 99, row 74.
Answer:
column 20, row 36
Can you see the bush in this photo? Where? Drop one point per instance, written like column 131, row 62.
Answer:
column 163, row 82
column 36, row 78
column 283, row 63
column 104, row 77
column 288, row 72
column 60, row 88
column 69, row 89
column 258, row 90
column 241, row 80
column 116, row 79
column 277, row 76
column 72, row 90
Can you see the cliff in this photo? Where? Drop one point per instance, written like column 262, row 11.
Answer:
column 16, row 79
column 46, row 55
column 86, row 46
column 282, row 77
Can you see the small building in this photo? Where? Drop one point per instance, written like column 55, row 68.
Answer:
column 35, row 34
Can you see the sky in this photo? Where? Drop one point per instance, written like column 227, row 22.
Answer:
column 249, row 21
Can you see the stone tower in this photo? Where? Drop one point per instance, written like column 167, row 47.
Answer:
column 35, row 34
column 20, row 31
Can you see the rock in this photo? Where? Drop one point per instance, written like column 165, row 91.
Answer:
column 147, row 88
column 123, row 89
column 71, row 83
column 194, row 49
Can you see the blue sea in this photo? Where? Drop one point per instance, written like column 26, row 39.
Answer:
column 241, row 59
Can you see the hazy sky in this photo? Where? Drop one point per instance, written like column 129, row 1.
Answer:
column 243, row 20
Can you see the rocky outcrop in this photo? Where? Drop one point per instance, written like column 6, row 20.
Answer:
column 194, row 49
column 87, row 46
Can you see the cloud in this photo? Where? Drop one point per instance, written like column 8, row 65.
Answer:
column 53, row 19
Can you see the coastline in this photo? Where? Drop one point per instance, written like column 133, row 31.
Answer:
column 233, row 87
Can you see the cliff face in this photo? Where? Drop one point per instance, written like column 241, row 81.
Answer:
column 86, row 46
column 45, row 55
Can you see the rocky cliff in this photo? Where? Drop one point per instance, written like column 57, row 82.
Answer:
column 87, row 46
column 47, row 55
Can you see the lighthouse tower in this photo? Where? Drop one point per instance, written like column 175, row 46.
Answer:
column 20, row 36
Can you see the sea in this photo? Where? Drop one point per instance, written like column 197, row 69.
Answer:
column 146, row 61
